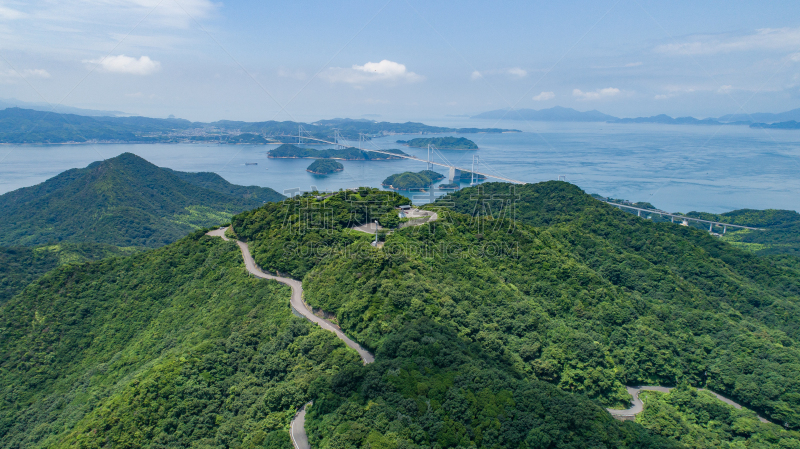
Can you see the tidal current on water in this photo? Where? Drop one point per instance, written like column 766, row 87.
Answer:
column 676, row 168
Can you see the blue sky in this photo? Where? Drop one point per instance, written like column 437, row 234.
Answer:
column 401, row 59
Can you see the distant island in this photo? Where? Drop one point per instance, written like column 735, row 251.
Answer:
column 791, row 124
column 554, row 114
column 325, row 167
column 19, row 125
column 288, row 151
column 412, row 181
column 443, row 143
column 782, row 120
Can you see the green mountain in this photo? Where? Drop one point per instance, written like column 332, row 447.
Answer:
column 173, row 347
column 123, row 201
column 179, row 347
column 573, row 292
column 510, row 321
column 410, row 180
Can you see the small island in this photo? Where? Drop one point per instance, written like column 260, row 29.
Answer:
column 442, row 143
column 412, row 181
column 324, row 167
column 290, row 151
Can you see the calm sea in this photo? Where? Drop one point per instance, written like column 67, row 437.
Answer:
column 676, row 168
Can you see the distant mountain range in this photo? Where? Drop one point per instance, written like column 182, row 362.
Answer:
column 31, row 126
column 57, row 108
column 783, row 120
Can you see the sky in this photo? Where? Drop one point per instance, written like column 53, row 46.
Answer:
column 401, row 60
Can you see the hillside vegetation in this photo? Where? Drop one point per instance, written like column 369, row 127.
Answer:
column 699, row 420
column 174, row 347
column 122, row 201
column 574, row 292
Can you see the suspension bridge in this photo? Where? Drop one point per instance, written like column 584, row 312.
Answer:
column 453, row 169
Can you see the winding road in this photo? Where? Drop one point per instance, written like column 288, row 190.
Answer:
column 638, row 406
column 297, row 427
column 298, row 431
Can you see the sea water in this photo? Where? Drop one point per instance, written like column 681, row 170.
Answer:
column 675, row 167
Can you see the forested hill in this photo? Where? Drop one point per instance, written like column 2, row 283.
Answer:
column 573, row 292
column 179, row 347
column 699, row 305
column 174, row 347
column 122, row 201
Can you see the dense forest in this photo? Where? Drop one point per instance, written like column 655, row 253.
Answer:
column 442, row 143
column 511, row 321
column 29, row 126
column 325, row 167
column 412, row 181
column 173, row 347
column 348, row 154
column 123, row 201
column 574, row 292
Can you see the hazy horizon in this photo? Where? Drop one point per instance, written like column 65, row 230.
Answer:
column 400, row 60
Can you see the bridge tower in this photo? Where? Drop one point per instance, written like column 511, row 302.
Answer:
column 475, row 161
column 429, row 165
column 337, row 138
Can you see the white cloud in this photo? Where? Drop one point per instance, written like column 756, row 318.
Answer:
column 763, row 39
column 476, row 75
column 598, row 94
column 724, row 89
column 663, row 96
column 388, row 71
column 544, row 96
column 126, row 64
column 35, row 73
column 10, row 14
column 516, row 71
column 633, row 64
